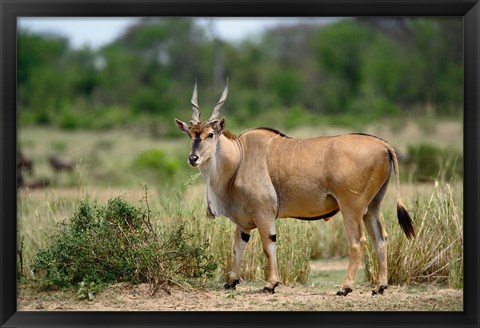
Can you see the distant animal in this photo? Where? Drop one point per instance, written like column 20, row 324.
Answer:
column 61, row 164
column 37, row 184
column 262, row 175
column 24, row 163
column 20, row 179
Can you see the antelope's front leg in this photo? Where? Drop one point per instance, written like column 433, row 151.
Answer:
column 269, row 243
column 239, row 243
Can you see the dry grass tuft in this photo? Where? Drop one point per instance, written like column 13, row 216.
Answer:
column 436, row 253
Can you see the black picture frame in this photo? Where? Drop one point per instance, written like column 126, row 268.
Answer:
column 9, row 12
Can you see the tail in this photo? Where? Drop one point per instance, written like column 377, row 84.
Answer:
column 404, row 218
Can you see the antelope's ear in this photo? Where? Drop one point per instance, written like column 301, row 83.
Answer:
column 220, row 126
column 182, row 126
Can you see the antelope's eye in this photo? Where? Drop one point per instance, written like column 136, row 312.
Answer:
column 210, row 135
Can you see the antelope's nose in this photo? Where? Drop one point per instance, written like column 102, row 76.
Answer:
column 192, row 159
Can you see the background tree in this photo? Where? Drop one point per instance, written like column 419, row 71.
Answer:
column 366, row 67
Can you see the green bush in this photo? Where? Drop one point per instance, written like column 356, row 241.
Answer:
column 295, row 117
column 117, row 242
column 286, row 86
column 42, row 117
column 111, row 117
column 155, row 162
column 69, row 120
column 96, row 119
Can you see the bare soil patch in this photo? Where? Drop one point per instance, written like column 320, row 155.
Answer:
column 248, row 297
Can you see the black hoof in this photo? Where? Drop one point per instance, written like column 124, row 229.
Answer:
column 268, row 290
column 232, row 286
column 344, row 291
column 381, row 289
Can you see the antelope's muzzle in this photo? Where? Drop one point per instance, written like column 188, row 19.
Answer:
column 192, row 160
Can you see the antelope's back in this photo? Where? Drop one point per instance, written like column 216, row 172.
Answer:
column 309, row 175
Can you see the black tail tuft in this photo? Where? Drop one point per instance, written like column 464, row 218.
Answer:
column 405, row 221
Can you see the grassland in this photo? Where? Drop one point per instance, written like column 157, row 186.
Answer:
column 113, row 163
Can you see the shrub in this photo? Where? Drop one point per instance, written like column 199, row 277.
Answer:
column 110, row 117
column 295, row 116
column 286, row 85
column 154, row 161
column 68, row 120
column 117, row 242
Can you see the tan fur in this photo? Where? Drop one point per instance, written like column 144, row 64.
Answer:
column 229, row 135
column 263, row 175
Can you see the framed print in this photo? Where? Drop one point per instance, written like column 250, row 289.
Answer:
column 108, row 209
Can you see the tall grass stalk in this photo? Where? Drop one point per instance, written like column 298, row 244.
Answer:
column 329, row 239
column 36, row 217
column 436, row 253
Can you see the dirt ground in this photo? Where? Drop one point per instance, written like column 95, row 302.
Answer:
column 316, row 296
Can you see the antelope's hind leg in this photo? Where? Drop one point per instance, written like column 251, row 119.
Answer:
column 375, row 226
column 239, row 243
column 356, row 238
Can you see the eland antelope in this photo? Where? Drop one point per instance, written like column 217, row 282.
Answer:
column 262, row 175
column 58, row 164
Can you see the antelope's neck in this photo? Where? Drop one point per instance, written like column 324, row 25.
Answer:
column 223, row 164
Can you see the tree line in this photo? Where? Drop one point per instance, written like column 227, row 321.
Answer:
column 367, row 68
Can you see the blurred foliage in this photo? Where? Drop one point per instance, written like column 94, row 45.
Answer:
column 154, row 163
column 427, row 162
column 365, row 67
